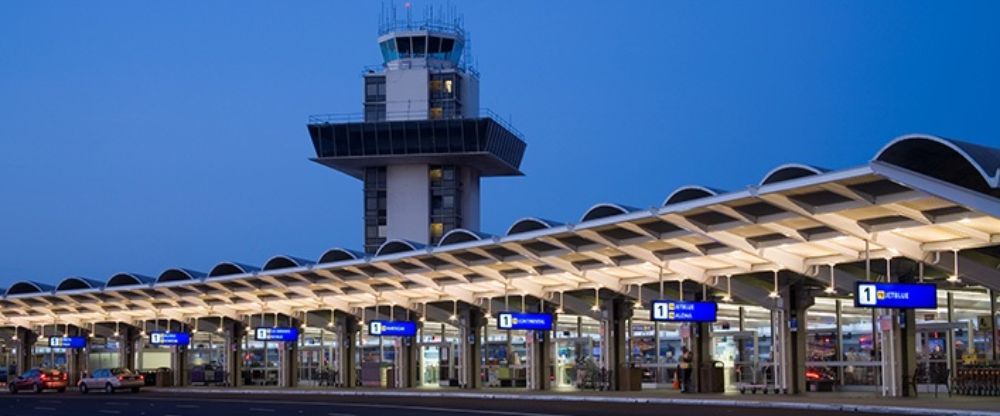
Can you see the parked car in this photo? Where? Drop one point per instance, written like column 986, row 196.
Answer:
column 39, row 379
column 111, row 379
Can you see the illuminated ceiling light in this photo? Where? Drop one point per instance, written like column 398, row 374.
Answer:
column 774, row 293
column 597, row 300
column 454, row 311
column 954, row 277
column 218, row 330
column 729, row 290
column 832, row 288
column 562, row 299
column 965, row 220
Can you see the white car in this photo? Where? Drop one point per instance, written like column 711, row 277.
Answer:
column 111, row 379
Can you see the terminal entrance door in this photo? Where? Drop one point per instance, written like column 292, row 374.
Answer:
column 430, row 363
column 316, row 358
column 8, row 362
column 103, row 353
column 936, row 355
column 207, row 359
column 571, row 358
column 262, row 362
column 741, row 354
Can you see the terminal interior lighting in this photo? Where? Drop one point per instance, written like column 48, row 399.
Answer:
column 454, row 311
column 597, row 300
column 561, row 300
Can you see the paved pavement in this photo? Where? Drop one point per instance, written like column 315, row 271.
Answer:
column 168, row 404
column 198, row 401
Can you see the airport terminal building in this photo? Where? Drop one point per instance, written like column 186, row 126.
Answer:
column 878, row 277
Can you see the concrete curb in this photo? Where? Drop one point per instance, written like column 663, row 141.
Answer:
column 837, row 407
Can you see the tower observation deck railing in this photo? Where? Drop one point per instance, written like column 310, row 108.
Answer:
column 337, row 118
column 430, row 25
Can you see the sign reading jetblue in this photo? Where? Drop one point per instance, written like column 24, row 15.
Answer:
column 67, row 342
column 674, row 311
column 276, row 334
column 526, row 321
column 392, row 328
column 169, row 338
column 895, row 295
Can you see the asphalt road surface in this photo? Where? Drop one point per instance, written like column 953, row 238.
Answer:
column 166, row 404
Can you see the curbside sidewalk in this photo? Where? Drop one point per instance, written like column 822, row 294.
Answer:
column 806, row 404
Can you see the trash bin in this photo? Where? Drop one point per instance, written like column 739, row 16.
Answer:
column 711, row 377
column 630, row 378
column 164, row 377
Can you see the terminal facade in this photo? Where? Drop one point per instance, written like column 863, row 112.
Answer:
column 779, row 263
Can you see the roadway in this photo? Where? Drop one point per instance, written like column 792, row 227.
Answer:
column 173, row 404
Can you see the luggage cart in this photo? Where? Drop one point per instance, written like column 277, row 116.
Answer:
column 755, row 377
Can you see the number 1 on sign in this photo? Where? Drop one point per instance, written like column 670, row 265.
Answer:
column 660, row 311
column 867, row 295
column 505, row 320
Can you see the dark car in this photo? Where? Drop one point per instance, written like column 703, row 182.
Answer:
column 39, row 379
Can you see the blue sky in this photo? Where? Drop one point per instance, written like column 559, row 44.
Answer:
column 137, row 136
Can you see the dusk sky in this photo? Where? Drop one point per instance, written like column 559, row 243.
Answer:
column 138, row 136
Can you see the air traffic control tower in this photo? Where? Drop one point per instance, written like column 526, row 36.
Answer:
column 422, row 143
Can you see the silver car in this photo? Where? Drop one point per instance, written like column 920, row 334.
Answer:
column 111, row 379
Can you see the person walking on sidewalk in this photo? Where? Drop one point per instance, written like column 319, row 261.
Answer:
column 684, row 364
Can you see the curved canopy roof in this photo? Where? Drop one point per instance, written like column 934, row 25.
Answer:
column 26, row 287
column 179, row 275
column 461, row 235
column 605, row 210
column 128, row 279
column 77, row 283
column 397, row 246
column 885, row 208
column 285, row 262
column 689, row 193
column 340, row 254
column 790, row 171
column 228, row 268
column 965, row 164
column 529, row 224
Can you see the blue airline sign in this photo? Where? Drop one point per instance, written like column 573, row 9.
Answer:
column 677, row 311
column 526, row 321
column 67, row 342
column 276, row 334
column 169, row 338
column 895, row 295
column 392, row 328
